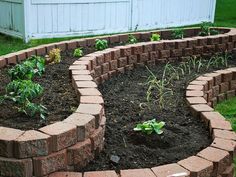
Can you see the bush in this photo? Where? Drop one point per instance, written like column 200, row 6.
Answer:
column 156, row 37
column 101, row 44
column 132, row 39
column 78, row 52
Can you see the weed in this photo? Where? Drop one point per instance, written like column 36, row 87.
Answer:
column 156, row 37
column 78, row 52
column 206, row 29
column 101, row 44
column 150, row 126
column 132, row 39
column 177, row 33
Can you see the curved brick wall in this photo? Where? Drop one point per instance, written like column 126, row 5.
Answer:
column 72, row 143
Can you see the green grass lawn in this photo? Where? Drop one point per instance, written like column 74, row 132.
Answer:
column 225, row 16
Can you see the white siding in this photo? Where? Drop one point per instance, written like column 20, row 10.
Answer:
column 57, row 18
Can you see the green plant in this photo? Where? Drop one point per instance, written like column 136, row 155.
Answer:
column 55, row 55
column 214, row 32
column 150, row 126
column 156, row 37
column 177, row 33
column 206, row 29
column 219, row 60
column 101, row 44
column 132, row 39
column 34, row 66
column 78, row 52
column 22, row 93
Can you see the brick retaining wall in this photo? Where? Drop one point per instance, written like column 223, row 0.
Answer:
column 72, row 143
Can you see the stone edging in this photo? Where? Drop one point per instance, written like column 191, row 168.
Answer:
column 72, row 143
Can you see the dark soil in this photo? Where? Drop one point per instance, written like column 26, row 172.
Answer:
column 183, row 134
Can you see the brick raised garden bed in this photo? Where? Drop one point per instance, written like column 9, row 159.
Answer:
column 73, row 142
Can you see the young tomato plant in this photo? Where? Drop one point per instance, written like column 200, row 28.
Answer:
column 132, row 39
column 101, row 44
column 177, row 33
column 150, row 126
column 55, row 55
column 78, row 52
column 156, row 37
column 34, row 66
column 206, row 29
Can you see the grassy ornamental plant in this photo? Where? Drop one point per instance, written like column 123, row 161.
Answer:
column 156, row 37
column 150, row 126
column 78, row 52
column 101, row 44
column 55, row 55
column 132, row 39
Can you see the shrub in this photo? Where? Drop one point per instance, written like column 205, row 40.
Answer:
column 34, row 66
column 55, row 55
column 101, row 44
column 78, row 52
column 177, row 33
column 132, row 39
column 150, row 126
column 206, row 30
column 156, row 37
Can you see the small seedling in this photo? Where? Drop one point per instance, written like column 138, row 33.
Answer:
column 177, row 33
column 78, row 52
column 132, row 39
column 156, row 37
column 55, row 55
column 150, row 126
column 101, row 44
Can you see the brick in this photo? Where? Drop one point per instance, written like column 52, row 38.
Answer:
column 121, row 70
column 7, row 136
column 220, row 159
column 71, row 44
column 154, row 55
column 85, row 124
column 224, row 87
column 191, row 42
column 104, row 77
column 123, row 38
column 21, row 55
column 122, row 62
column 11, row 59
column 137, row 173
column 224, row 144
column 78, row 67
column 165, row 34
column 197, row 166
column 145, row 36
column 232, row 85
column 30, row 52
column 204, row 83
column 215, row 91
column 137, row 49
column 86, row 84
column 32, row 144
column 97, row 71
column 229, row 46
column 49, row 164
column 114, row 39
column 164, row 53
column 202, row 41
column 195, row 87
column 229, row 172
column 208, row 116
column 97, row 138
column 87, row 63
column 115, row 54
column 91, row 100
column 233, row 70
column 113, row 64
column 101, row 174
column 66, row 174
column 196, row 100
column 198, row 108
column 158, row 46
column 230, row 94
column 187, row 51
column 105, row 68
column 221, row 48
column 99, row 58
column 112, row 73
column 216, row 77
column 80, row 153
column 124, row 51
column 82, row 78
column 224, row 134
column 63, row 135
column 212, row 40
column 198, row 50
column 92, row 109
column 142, row 58
column 80, row 72
column 89, row 92
column 227, row 75
column 210, row 81
column 87, row 42
column 107, row 55
column 221, row 97
column 170, row 169
column 148, row 47
column 181, row 44
column 169, row 45
column 3, row 62
column 61, row 45
column 193, row 93
column 15, row 167
column 176, row 53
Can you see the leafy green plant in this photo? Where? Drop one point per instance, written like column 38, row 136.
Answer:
column 206, row 29
column 150, row 126
column 132, row 39
column 177, row 33
column 55, row 55
column 34, row 66
column 156, row 37
column 214, row 32
column 22, row 93
column 78, row 52
column 101, row 44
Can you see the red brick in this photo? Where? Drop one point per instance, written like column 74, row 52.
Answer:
column 148, row 47
column 92, row 109
column 220, row 159
column 216, row 76
column 63, row 134
column 198, row 108
column 114, row 39
column 78, row 67
column 176, row 53
column 168, row 45
column 49, row 164
column 104, row 77
column 115, row 54
column 164, row 53
column 85, row 124
column 195, row 87
column 224, row 87
column 229, row 172
column 154, row 55
column 3, row 62
column 21, row 55
column 232, row 85
column 198, row 50
column 123, row 38
column 193, row 93
column 99, row 58
column 196, row 100
column 224, row 134
column 40, row 50
column 122, row 62
column 224, row 144
column 10, row 58
column 101, row 174
column 145, row 172
column 66, row 174
column 87, row 63
column 204, row 83
column 80, row 153
column 227, row 75
column 32, row 144
column 91, row 100
column 187, row 51
column 221, row 48
column 158, row 46
column 30, row 52
column 97, row 138
column 230, row 94
column 142, row 58
column 208, row 116
column 7, row 136
column 105, row 68
column 86, row 84
column 113, row 64
column 191, row 42
column 170, row 169
column 221, row 97
column 181, row 43
column 72, row 44
column 15, row 167
column 107, row 55
column 61, row 45
column 80, row 72
column 49, row 47
column 210, row 81
column 197, row 166
column 137, row 49
column 124, row 51
column 89, row 92
column 82, row 78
